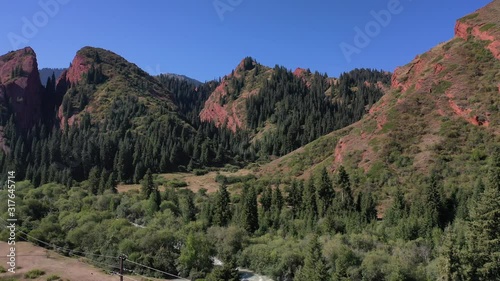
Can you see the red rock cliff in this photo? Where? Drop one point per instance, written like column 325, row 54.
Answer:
column 20, row 86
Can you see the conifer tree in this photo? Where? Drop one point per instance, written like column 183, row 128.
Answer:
column 309, row 208
column 93, row 180
column 346, row 200
column 266, row 199
column 314, row 268
column 102, row 181
column 111, row 183
column 222, row 209
column 187, row 207
column 324, row 193
column 483, row 256
column 294, row 196
column 277, row 202
column 249, row 213
column 148, row 185
column 450, row 267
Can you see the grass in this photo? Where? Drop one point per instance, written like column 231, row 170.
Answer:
column 2, row 269
column 53, row 277
column 437, row 59
column 469, row 17
column 8, row 279
column 441, row 87
column 33, row 274
column 487, row 27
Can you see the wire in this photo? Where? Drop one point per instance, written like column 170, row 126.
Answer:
column 48, row 244
column 157, row 270
column 142, row 276
column 74, row 251
column 60, row 248
column 94, row 261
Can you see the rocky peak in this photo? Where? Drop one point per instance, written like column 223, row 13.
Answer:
column 482, row 25
column 300, row 72
column 20, row 86
column 226, row 105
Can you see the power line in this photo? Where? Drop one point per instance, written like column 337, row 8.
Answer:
column 157, row 270
column 94, row 261
column 97, row 255
column 142, row 276
column 48, row 244
column 60, row 248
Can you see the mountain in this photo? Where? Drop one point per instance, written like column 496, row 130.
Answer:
column 101, row 114
column 20, row 88
column 440, row 114
column 182, row 78
column 97, row 78
column 226, row 106
column 46, row 73
column 283, row 110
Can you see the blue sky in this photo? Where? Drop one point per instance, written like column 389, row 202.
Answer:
column 195, row 38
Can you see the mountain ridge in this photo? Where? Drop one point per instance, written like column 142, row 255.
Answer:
column 413, row 127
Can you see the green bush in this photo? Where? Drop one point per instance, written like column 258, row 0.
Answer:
column 200, row 172
column 2, row 269
column 177, row 183
column 487, row 27
column 8, row 279
column 33, row 274
column 230, row 168
column 53, row 277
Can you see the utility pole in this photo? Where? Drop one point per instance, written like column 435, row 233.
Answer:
column 122, row 258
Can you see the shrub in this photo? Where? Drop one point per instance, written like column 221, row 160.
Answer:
column 53, row 277
column 33, row 274
column 487, row 27
column 177, row 183
column 2, row 269
column 200, row 172
column 8, row 279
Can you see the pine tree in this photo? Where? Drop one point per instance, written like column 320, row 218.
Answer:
column 324, row 193
column 346, row 199
column 314, row 268
column 483, row 257
column 367, row 207
column 309, row 208
column 397, row 211
column 102, row 181
column 222, row 209
column 93, row 180
column 154, row 201
column 450, row 268
column 276, row 207
column 249, row 213
column 148, row 185
column 187, row 207
column 294, row 196
column 434, row 203
column 266, row 199
column 111, row 183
